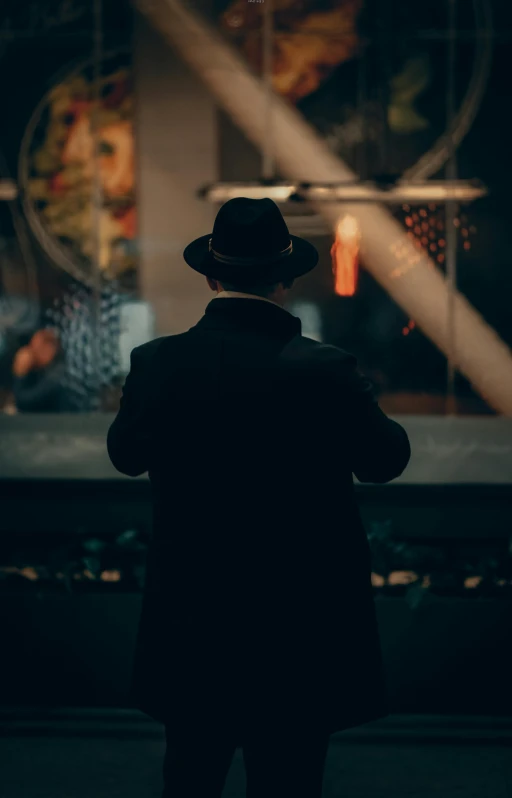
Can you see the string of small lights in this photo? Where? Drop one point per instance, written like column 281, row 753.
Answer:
column 426, row 227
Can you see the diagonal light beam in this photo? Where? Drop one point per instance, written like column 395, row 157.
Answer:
column 409, row 276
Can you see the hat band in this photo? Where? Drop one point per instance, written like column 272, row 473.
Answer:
column 241, row 261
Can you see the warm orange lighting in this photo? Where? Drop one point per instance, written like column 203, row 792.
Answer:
column 345, row 256
column 472, row 581
column 402, row 577
column 110, row 576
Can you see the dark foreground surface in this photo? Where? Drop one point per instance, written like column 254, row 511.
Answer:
column 118, row 754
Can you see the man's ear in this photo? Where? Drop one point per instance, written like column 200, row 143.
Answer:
column 212, row 283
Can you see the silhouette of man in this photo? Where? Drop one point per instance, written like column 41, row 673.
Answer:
column 258, row 625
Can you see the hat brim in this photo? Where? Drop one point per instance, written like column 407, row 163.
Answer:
column 303, row 258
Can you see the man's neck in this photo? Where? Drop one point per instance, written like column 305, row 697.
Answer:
column 240, row 295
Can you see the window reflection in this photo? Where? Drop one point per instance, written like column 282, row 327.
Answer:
column 364, row 79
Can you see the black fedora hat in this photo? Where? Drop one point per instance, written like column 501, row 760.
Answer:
column 250, row 243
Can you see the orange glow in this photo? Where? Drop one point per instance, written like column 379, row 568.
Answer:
column 345, row 256
column 402, row 577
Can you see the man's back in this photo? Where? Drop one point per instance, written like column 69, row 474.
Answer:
column 250, row 434
column 245, row 389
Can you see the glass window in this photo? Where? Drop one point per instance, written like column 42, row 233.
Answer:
column 68, row 257
column 381, row 87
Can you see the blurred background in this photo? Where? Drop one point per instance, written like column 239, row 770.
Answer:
column 110, row 135
column 124, row 128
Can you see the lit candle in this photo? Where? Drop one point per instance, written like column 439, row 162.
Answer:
column 345, row 256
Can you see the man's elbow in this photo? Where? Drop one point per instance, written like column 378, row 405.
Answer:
column 127, row 467
column 129, row 463
column 380, row 476
column 387, row 468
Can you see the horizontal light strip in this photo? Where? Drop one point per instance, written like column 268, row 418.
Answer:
column 396, row 194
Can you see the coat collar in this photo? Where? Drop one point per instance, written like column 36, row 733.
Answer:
column 251, row 315
column 239, row 295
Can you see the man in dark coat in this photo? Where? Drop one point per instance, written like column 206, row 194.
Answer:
column 258, row 625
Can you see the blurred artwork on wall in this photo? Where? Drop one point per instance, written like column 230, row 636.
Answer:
column 309, row 42
column 59, row 164
column 68, row 241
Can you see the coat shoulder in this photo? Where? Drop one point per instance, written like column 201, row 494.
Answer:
column 307, row 350
column 148, row 350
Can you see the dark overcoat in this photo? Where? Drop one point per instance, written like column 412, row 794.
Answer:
column 258, row 604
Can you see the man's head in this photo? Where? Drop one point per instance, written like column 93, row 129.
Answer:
column 277, row 292
column 251, row 248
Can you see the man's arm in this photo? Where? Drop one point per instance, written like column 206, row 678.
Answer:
column 379, row 448
column 128, row 436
